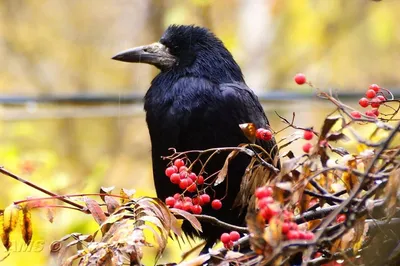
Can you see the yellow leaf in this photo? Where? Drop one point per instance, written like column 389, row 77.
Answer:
column 10, row 220
column 26, row 225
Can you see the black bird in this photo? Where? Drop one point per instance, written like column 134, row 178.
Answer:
column 197, row 101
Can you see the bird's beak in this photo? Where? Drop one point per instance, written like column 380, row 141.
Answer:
column 155, row 54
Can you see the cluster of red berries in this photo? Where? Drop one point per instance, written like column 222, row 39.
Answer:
column 375, row 98
column 180, row 175
column 229, row 238
column 269, row 208
column 307, row 135
column 264, row 134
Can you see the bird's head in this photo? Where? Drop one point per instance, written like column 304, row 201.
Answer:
column 187, row 50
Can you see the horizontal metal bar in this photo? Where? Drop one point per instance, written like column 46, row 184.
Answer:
column 275, row 95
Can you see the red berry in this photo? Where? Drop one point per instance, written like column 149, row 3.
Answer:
column 374, row 87
column 200, row 180
column 355, row 114
column 216, row 204
column 317, row 255
column 183, row 169
column 285, row 228
column 300, row 78
column 177, row 196
column 370, row 94
column 196, row 209
column 266, row 214
column 263, row 192
column 381, row 98
column 363, row 102
column 307, row 147
column 301, row 234
column 178, row 205
column 190, row 181
column 375, row 111
column 234, row 235
column 228, row 245
column 179, row 163
column 169, row 171
column 187, row 205
column 266, row 135
column 205, row 198
column 196, row 201
column 192, row 187
column 308, row 235
column 370, row 114
column 183, row 184
column 170, row 201
column 340, row 218
column 183, row 174
column 375, row 102
column 292, row 235
column 263, row 134
column 187, row 199
column 193, row 176
column 308, row 134
column 225, row 238
column 287, row 216
column 175, row 178
column 262, row 203
column 259, row 131
column 293, row 226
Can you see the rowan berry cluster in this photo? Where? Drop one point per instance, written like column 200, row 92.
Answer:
column 228, row 239
column 269, row 208
column 373, row 97
column 188, row 181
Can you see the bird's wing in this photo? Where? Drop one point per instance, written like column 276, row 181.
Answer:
column 245, row 107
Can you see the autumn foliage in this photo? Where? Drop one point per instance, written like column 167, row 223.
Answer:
column 333, row 204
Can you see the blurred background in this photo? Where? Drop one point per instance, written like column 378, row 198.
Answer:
column 52, row 49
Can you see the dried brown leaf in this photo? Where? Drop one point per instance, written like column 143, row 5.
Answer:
column 289, row 165
column 273, row 234
column 335, row 136
column 189, row 217
column 249, row 130
column 391, row 191
column 105, row 190
column 252, row 179
column 155, row 221
column 26, row 225
column 160, row 239
column 256, row 225
column 328, row 124
column 112, row 204
column 359, row 233
column 224, row 171
column 95, row 210
column 11, row 214
column 10, row 220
